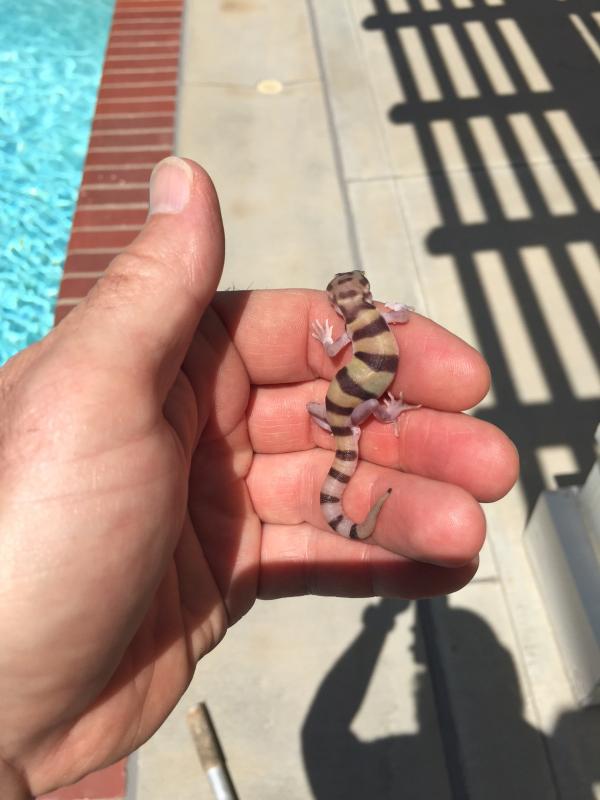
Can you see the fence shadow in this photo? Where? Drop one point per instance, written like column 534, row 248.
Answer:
column 527, row 72
column 532, row 77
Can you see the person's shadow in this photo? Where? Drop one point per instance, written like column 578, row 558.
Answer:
column 487, row 750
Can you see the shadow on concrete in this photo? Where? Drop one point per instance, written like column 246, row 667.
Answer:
column 489, row 740
column 534, row 68
column 338, row 763
column 543, row 81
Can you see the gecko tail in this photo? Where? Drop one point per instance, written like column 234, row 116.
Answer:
column 365, row 528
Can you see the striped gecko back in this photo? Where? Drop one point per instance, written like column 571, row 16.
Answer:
column 365, row 378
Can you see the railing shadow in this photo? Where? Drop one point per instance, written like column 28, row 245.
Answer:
column 533, row 67
column 565, row 74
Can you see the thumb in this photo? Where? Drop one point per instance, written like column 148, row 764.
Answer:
column 143, row 311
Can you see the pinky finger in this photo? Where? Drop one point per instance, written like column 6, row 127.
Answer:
column 300, row 559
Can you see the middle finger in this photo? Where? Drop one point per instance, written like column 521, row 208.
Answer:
column 441, row 445
column 423, row 519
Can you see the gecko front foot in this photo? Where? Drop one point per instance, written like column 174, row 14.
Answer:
column 398, row 313
column 399, row 306
column 322, row 332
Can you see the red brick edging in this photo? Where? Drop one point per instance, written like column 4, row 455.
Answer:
column 133, row 128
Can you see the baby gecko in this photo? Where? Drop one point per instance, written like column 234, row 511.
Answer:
column 354, row 392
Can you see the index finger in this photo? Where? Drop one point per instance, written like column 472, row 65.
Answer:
column 271, row 331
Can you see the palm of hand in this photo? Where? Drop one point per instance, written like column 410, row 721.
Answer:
column 174, row 525
column 151, row 582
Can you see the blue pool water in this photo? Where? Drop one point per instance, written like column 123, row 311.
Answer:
column 51, row 54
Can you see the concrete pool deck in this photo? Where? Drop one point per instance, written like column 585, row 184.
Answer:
column 448, row 150
column 452, row 151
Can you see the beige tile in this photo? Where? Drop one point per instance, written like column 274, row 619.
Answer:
column 363, row 88
column 384, row 243
column 430, row 5
column 567, row 730
column 522, row 361
column 245, row 41
column 438, row 273
column 487, row 570
column 452, row 157
column 362, row 144
column 522, row 53
column 574, row 351
column 419, row 64
column 503, row 754
column 273, row 160
column 577, row 155
column 558, row 132
column 489, row 58
column 585, row 33
column 402, row 148
column 493, row 154
column 489, row 246
column 556, row 460
column 549, row 181
column 461, row 76
column 586, row 262
column 353, row 663
column 276, row 179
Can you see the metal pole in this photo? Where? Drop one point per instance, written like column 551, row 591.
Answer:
column 210, row 752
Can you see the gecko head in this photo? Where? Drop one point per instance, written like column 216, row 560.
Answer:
column 346, row 288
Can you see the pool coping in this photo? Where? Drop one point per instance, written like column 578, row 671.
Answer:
column 132, row 129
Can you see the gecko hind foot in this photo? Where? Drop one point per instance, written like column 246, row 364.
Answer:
column 393, row 407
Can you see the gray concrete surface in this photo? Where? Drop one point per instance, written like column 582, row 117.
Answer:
column 451, row 150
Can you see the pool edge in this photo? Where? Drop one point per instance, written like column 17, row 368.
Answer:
column 133, row 128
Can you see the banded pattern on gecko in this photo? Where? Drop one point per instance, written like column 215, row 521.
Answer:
column 354, row 392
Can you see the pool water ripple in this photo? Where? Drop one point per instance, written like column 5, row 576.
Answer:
column 51, row 54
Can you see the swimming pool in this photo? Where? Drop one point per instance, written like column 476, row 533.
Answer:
column 51, row 55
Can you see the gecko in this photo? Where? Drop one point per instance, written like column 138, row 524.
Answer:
column 354, row 393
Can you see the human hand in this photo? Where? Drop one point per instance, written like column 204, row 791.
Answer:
column 159, row 472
